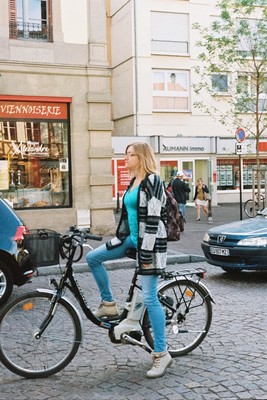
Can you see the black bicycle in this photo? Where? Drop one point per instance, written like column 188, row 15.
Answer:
column 41, row 331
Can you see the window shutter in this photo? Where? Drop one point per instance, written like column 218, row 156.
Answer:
column 50, row 22
column 12, row 19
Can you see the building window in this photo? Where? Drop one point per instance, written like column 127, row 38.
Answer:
column 30, row 19
column 219, row 83
column 250, row 97
column 170, row 91
column 169, row 33
column 251, row 37
column 35, row 153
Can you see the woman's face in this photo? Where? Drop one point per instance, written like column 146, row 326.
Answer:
column 131, row 159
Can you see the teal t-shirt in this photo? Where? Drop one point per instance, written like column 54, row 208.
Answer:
column 130, row 202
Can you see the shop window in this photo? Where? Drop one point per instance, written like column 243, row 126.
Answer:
column 169, row 33
column 168, row 171
column 228, row 173
column 170, row 91
column 248, row 167
column 30, row 19
column 34, row 155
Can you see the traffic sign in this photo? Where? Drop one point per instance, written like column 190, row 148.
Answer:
column 241, row 148
column 240, row 135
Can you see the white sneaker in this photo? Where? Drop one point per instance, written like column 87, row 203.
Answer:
column 107, row 309
column 161, row 361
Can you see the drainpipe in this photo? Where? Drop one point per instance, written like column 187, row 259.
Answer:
column 135, row 70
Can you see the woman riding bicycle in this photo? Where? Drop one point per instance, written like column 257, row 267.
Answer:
column 141, row 226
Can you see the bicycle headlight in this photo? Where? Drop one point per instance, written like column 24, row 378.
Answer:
column 256, row 241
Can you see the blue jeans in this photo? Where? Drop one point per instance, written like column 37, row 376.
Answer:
column 95, row 259
column 182, row 208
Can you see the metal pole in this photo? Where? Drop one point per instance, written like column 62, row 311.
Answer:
column 240, row 188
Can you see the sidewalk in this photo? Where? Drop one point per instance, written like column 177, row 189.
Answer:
column 187, row 249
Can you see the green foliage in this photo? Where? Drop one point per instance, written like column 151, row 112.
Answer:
column 235, row 44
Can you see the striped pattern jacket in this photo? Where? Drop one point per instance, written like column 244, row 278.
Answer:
column 152, row 217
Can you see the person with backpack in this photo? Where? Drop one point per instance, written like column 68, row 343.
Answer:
column 141, row 226
column 179, row 190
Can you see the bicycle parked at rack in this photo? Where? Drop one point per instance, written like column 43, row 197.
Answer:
column 41, row 331
column 252, row 206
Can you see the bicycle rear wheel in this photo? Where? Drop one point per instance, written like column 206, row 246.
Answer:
column 250, row 209
column 188, row 311
column 31, row 357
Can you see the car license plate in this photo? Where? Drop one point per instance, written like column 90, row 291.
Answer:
column 219, row 252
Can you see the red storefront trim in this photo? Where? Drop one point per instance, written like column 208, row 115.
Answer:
column 48, row 99
column 31, row 107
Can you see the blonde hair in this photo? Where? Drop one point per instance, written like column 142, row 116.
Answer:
column 145, row 153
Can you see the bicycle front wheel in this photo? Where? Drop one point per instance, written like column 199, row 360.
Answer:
column 188, row 311
column 22, row 352
column 250, row 209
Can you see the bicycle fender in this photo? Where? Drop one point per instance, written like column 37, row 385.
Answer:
column 65, row 299
column 205, row 289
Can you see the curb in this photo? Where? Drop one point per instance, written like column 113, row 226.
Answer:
column 180, row 258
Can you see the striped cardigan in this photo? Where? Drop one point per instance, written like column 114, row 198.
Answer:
column 152, row 238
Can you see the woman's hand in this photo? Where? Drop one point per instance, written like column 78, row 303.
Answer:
column 147, row 266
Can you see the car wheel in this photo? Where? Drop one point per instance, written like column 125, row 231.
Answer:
column 6, row 283
column 231, row 270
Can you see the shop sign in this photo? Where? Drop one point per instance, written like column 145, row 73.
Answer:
column 32, row 110
column 29, row 149
column 185, row 145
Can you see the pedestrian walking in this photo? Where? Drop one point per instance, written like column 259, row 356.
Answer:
column 200, row 198
column 179, row 190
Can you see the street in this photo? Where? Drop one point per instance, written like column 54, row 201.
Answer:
column 231, row 363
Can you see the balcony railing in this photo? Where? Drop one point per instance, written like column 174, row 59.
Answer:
column 30, row 31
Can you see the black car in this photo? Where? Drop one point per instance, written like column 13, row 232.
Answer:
column 238, row 246
column 15, row 265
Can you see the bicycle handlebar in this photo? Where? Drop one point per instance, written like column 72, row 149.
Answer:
column 83, row 233
column 93, row 237
column 73, row 240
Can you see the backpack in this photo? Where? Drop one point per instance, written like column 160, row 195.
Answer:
column 175, row 223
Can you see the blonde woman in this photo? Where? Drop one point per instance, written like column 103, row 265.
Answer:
column 199, row 198
column 142, row 227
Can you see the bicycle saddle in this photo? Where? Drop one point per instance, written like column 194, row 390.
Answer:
column 131, row 253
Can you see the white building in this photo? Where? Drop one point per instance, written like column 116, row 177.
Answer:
column 153, row 58
column 79, row 82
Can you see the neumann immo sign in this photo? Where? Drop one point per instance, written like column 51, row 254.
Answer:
column 200, row 145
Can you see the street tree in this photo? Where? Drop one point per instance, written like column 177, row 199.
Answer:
column 231, row 81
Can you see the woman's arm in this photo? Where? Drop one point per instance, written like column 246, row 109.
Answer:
column 205, row 189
